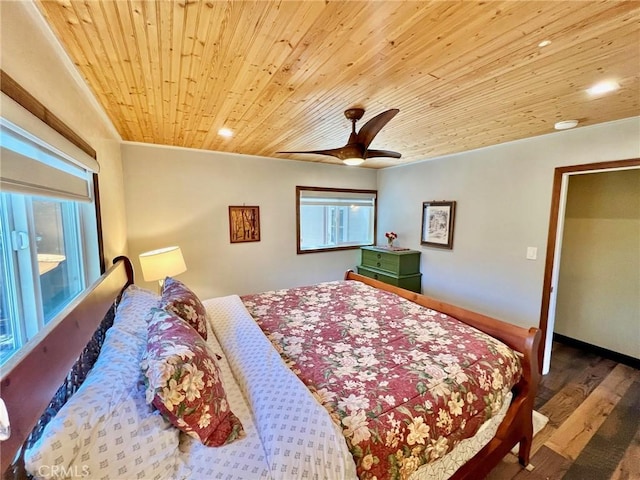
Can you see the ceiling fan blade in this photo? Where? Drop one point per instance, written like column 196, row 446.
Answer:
column 382, row 153
column 348, row 151
column 333, row 152
column 370, row 129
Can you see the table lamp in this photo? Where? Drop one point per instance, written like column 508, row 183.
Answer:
column 162, row 263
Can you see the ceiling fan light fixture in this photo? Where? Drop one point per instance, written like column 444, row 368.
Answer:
column 353, row 162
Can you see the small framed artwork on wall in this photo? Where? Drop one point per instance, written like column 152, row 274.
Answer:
column 437, row 224
column 244, row 224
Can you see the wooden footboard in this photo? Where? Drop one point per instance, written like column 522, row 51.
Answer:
column 517, row 425
column 32, row 376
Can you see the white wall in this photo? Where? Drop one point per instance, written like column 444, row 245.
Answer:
column 503, row 196
column 599, row 284
column 32, row 56
column 178, row 196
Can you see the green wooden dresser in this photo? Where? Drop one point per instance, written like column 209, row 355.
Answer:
column 400, row 268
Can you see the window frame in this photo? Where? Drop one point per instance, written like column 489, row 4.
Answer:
column 299, row 189
column 46, row 129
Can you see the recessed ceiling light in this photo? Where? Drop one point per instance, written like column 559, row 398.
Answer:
column 544, row 43
column 225, row 132
column 603, row 87
column 565, row 124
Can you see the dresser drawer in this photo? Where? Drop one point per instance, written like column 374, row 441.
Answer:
column 398, row 263
column 408, row 282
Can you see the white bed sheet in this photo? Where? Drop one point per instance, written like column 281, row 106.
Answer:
column 242, row 459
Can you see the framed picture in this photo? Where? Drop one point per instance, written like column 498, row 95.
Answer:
column 244, row 224
column 437, row 224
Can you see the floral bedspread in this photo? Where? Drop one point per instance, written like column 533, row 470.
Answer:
column 405, row 383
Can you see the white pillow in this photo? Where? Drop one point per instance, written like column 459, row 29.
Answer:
column 106, row 430
column 133, row 309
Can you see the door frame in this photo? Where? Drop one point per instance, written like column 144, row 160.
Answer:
column 554, row 244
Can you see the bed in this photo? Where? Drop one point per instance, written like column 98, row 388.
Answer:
column 293, row 424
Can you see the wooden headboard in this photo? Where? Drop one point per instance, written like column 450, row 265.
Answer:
column 33, row 375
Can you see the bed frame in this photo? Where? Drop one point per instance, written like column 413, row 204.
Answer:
column 517, row 426
column 49, row 361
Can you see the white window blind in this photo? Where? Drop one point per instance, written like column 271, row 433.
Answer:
column 37, row 160
column 339, row 198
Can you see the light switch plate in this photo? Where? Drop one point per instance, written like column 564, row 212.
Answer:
column 532, row 253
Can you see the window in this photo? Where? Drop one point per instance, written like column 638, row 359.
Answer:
column 332, row 218
column 48, row 233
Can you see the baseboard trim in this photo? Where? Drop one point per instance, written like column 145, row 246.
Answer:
column 603, row 352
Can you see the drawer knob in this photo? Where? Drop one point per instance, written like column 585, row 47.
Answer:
column 379, row 255
column 378, row 264
column 375, row 275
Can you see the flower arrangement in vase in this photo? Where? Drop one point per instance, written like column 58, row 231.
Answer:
column 391, row 236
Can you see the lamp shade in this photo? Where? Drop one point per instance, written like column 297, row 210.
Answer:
column 161, row 263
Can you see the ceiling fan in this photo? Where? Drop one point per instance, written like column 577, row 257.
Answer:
column 357, row 150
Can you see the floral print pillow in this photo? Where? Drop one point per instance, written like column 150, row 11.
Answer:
column 178, row 299
column 183, row 381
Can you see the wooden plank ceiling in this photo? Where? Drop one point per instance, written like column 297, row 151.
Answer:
column 280, row 74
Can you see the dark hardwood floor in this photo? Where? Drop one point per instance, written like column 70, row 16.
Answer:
column 593, row 405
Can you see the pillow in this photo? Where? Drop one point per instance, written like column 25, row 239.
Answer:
column 132, row 311
column 178, row 299
column 107, row 437
column 106, row 429
column 184, row 381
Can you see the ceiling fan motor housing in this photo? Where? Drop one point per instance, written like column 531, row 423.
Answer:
column 354, row 113
column 351, row 150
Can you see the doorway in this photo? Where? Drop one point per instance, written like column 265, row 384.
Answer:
column 554, row 245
